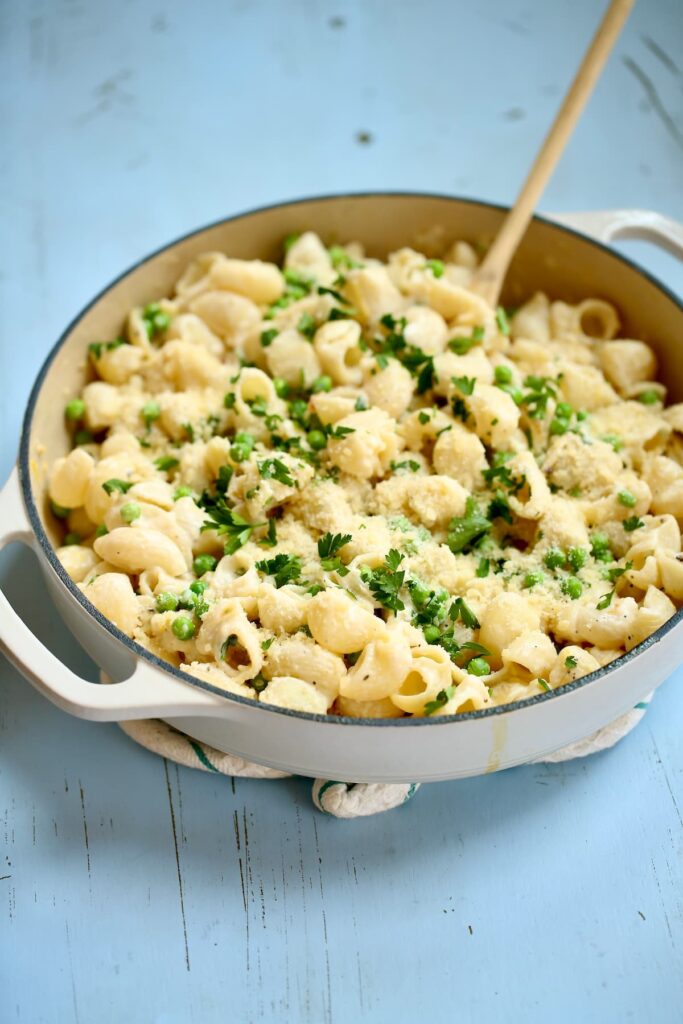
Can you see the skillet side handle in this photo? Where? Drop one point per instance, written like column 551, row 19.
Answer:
column 148, row 693
column 611, row 225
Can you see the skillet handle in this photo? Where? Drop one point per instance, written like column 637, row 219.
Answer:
column 148, row 693
column 611, row 225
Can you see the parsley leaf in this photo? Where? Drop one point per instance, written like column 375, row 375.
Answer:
column 461, row 346
column 276, row 469
column 442, row 698
column 329, row 546
column 386, row 581
column 465, row 531
column 461, row 610
column 225, row 521
column 464, row 384
column 502, row 321
column 306, row 326
column 536, row 400
column 109, row 486
column 283, row 568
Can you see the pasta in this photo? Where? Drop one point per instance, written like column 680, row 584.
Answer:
column 347, row 486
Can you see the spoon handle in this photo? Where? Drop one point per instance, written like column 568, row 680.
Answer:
column 489, row 278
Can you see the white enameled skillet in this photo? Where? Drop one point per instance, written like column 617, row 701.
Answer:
column 558, row 258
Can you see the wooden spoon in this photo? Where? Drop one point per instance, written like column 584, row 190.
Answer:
column 489, row 277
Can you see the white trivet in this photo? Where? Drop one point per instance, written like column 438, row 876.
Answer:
column 341, row 799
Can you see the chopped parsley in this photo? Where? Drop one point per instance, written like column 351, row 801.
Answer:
column 461, row 346
column 329, row 546
column 409, row 465
column 442, row 698
column 268, row 337
column 283, row 568
column 464, row 532
column 276, row 469
column 465, row 385
column 612, row 575
column 166, row 462
column 429, row 604
column 502, row 321
column 98, row 347
column 109, row 486
column 226, row 522
column 542, row 389
column 306, row 326
column 570, row 661
column 461, row 610
column 341, row 259
column 386, row 581
column 632, row 523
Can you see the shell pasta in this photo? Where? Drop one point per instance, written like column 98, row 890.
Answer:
column 348, row 486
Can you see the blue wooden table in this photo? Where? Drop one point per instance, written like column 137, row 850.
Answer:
column 134, row 891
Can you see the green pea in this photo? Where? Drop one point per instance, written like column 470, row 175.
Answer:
column 182, row 492
column 564, row 410
column 72, row 538
column 558, row 426
column 626, row 499
column 187, row 599
column 150, row 411
column 204, row 563
column 649, row 397
column 554, row 558
column 577, row 558
column 130, row 511
column 58, row 510
column 183, row 628
column 322, row 384
column 83, row 437
column 281, row 387
column 533, row 577
column 242, row 447
column 478, row 667
column 101, row 530
column 572, row 587
column 431, row 634
column 298, row 409
column 503, row 375
column 316, row 439
column 420, row 593
column 166, row 602
column 198, row 586
column 75, row 409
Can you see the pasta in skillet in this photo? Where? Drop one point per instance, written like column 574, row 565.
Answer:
column 350, row 487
